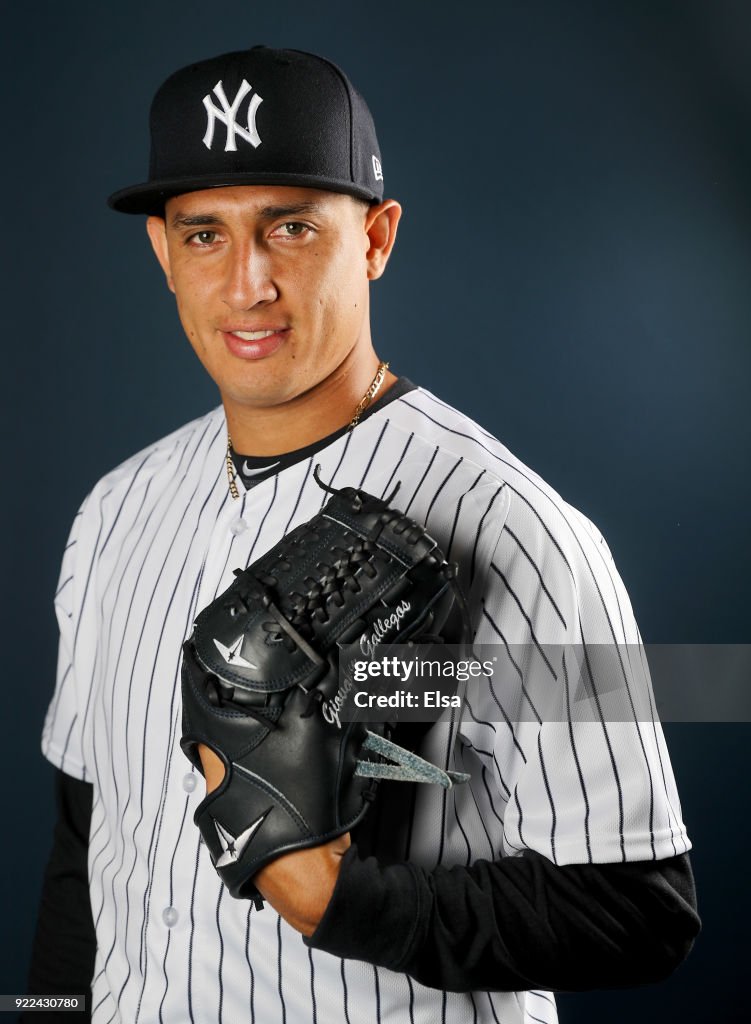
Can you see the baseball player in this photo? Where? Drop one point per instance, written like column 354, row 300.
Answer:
column 562, row 863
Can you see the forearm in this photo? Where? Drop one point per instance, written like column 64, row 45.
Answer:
column 514, row 924
column 62, row 959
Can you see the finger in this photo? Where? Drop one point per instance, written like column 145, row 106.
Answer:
column 213, row 768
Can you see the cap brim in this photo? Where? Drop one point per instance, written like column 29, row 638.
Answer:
column 150, row 197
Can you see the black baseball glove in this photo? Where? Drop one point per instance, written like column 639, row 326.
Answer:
column 266, row 680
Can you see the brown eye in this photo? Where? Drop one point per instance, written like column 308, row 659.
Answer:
column 291, row 229
column 203, row 237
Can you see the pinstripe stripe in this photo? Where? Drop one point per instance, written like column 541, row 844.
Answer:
column 520, row 816
column 279, row 970
column 550, row 797
column 219, row 898
column 251, row 972
column 104, row 998
column 458, row 820
column 458, row 512
column 411, row 1000
column 447, row 763
column 609, row 745
column 377, row 986
column 171, row 900
column 131, row 485
column 489, row 754
column 312, row 986
column 534, row 994
column 489, row 794
column 67, row 741
column 493, row 692
column 532, row 634
column 87, row 583
column 166, row 981
column 478, row 533
column 538, row 573
column 338, row 466
column 346, row 992
column 473, row 853
column 152, row 545
column 298, row 499
column 422, row 480
column 441, row 486
column 196, row 864
column 386, row 489
column 373, row 454
column 575, row 754
column 665, row 786
column 489, row 997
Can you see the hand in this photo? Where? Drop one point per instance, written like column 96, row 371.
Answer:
column 298, row 885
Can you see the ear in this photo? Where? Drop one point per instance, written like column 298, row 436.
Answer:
column 157, row 233
column 380, row 226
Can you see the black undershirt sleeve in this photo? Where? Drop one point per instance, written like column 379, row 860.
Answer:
column 514, row 924
column 62, row 958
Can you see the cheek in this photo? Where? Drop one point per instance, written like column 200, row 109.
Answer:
column 191, row 305
column 341, row 293
column 186, row 319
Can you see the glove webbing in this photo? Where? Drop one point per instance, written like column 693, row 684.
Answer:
column 409, row 767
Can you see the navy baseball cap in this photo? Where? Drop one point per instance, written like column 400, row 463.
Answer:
column 257, row 117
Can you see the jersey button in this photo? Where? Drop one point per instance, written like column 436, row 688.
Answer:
column 170, row 916
column 238, row 526
column 189, row 782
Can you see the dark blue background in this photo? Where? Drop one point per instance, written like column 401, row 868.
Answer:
column 572, row 271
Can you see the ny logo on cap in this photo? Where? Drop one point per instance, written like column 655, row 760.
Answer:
column 228, row 114
column 377, row 169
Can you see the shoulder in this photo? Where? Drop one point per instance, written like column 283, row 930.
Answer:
column 145, row 476
column 538, row 555
column 533, row 505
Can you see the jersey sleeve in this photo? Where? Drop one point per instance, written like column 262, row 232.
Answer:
column 62, row 735
column 567, row 723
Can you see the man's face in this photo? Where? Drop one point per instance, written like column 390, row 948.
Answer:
column 271, row 284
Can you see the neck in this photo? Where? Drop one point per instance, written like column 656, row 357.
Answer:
column 308, row 417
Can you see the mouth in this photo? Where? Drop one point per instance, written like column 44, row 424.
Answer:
column 256, row 344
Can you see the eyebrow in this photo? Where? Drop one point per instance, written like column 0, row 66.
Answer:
column 181, row 220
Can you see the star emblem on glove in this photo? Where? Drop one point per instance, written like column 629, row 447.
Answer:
column 232, row 654
column 233, row 847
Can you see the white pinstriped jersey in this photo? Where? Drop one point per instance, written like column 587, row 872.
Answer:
column 157, row 540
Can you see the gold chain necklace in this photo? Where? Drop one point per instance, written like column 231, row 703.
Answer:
column 362, row 405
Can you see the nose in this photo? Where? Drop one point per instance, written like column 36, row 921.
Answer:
column 248, row 279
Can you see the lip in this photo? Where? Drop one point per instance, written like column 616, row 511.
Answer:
column 255, row 349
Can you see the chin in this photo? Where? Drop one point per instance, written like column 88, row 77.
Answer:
column 260, row 397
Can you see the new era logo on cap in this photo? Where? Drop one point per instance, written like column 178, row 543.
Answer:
column 258, row 117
